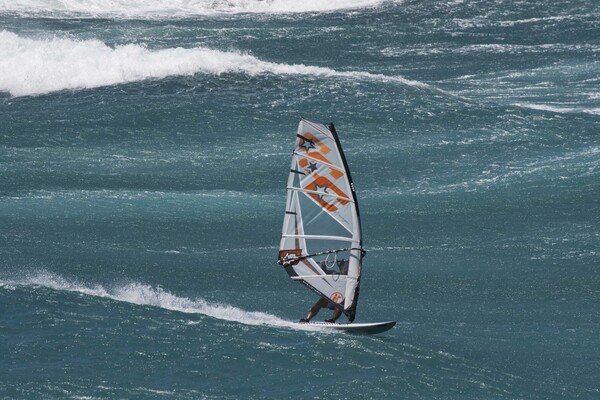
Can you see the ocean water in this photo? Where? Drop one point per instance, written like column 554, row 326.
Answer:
column 144, row 152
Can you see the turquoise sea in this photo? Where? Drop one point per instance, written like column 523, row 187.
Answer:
column 144, row 153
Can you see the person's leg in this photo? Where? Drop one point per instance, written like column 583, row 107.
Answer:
column 336, row 314
column 315, row 309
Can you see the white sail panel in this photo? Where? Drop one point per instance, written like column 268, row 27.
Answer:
column 321, row 244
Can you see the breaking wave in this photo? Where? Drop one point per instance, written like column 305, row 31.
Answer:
column 171, row 9
column 142, row 294
column 37, row 66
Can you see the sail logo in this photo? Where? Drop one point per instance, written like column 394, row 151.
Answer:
column 289, row 257
column 337, row 297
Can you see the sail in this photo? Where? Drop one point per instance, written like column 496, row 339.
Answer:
column 321, row 242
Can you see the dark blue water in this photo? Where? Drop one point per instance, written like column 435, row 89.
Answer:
column 144, row 150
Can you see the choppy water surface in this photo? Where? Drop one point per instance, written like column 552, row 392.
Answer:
column 144, row 149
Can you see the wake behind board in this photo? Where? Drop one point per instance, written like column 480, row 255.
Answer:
column 367, row 328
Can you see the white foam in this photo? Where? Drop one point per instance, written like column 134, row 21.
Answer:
column 37, row 66
column 142, row 294
column 172, row 9
column 560, row 110
column 558, row 18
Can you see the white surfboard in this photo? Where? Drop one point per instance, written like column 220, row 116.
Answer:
column 365, row 328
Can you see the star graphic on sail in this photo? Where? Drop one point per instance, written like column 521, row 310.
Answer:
column 322, row 189
column 306, row 144
column 312, row 166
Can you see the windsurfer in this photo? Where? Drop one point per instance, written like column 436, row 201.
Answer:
column 343, row 266
column 322, row 303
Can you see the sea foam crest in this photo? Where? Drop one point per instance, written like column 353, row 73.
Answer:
column 142, row 294
column 37, row 66
column 172, row 8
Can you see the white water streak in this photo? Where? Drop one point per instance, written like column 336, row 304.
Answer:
column 142, row 294
column 559, row 110
column 37, row 66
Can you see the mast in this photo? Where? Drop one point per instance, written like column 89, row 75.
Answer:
column 351, row 312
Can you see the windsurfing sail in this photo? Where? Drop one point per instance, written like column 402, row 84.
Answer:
column 321, row 241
